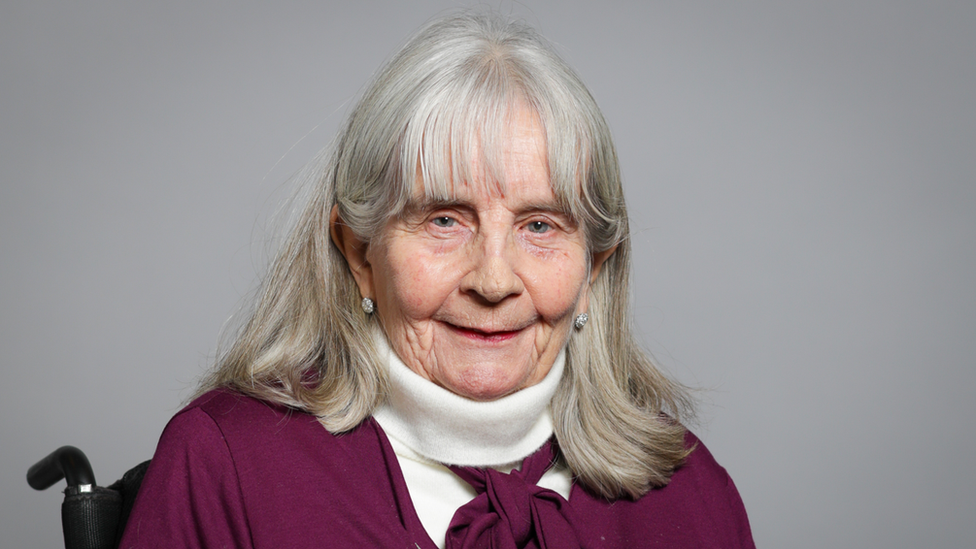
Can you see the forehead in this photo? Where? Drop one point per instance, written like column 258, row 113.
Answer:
column 511, row 165
column 517, row 194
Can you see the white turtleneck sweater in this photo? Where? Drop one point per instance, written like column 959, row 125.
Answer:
column 428, row 426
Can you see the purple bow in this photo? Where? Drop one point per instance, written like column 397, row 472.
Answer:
column 511, row 511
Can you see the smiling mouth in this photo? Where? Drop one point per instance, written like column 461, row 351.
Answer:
column 485, row 336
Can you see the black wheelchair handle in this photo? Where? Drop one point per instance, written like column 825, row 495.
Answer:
column 67, row 462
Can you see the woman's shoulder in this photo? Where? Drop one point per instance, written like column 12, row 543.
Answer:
column 225, row 426
column 231, row 470
column 703, row 493
column 227, row 406
column 700, row 464
column 699, row 507
column 247, row 424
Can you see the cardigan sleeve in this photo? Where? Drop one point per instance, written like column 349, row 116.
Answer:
column 723, row 517
column 740, row 521
column 190, row 496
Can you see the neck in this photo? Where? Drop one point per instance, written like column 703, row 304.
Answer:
column 448, row 428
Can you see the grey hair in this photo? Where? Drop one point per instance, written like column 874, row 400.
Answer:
column 448, row 94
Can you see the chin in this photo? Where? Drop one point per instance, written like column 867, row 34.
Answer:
column 485, row 384
column 487, row 395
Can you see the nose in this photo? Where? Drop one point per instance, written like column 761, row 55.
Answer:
column 492, row 276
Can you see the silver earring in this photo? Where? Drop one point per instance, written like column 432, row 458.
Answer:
column 368, row 305
column 581, row 320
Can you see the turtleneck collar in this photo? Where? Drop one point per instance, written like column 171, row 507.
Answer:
column 448, row 428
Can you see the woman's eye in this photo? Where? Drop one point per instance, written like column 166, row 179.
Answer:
column 538, row 227
column 444, row 221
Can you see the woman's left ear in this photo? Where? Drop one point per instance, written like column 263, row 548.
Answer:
column 354, row 250
column 599, row 259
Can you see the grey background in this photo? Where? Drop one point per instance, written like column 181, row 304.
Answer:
column 801, row 180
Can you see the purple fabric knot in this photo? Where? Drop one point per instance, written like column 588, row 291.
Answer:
column 511, row 511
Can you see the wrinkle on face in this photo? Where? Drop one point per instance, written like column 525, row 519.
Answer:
column 472, row 293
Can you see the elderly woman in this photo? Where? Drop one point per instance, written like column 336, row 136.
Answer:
column 441, row 355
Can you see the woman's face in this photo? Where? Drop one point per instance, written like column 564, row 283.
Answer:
column 478, row 295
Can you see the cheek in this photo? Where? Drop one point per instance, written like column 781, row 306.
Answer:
column 558, row 286
column 415, row 285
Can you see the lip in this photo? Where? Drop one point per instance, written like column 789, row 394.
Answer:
column 483, row 336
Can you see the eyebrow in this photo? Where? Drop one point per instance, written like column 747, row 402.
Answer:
column 427, row 204
column 415, row 207
column 553, row 207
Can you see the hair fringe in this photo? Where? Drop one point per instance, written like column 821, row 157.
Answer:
column 307, row 344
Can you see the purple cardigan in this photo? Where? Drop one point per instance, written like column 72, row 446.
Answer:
column 232, row 471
